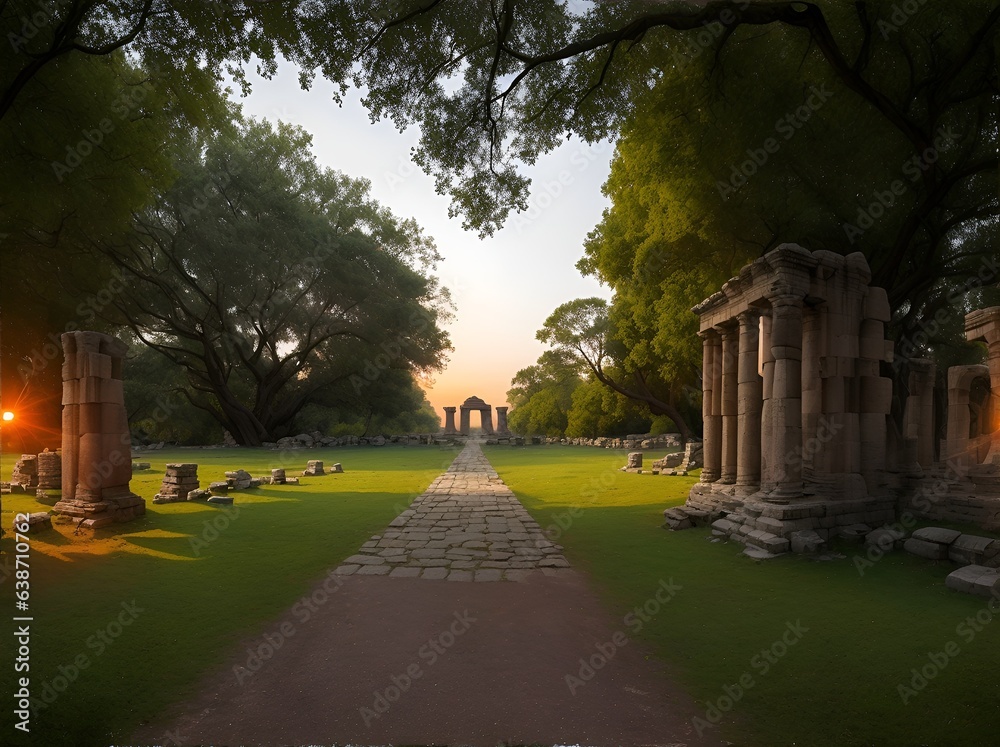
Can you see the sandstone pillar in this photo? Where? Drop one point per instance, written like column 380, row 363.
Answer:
column 449, row 421
column 785, row 450
column 96, row 444
column 711, row 389
column 486, row 420
column 729, row 403
column 465, row 426
column 502, row 421
column 750, row 394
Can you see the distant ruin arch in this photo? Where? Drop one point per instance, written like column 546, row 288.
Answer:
column 485, row 415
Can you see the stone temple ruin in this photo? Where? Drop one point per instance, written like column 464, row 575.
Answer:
column 797, row 432
column 485, row 415
column 96, row 444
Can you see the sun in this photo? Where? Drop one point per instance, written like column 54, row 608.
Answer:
column 8, row 415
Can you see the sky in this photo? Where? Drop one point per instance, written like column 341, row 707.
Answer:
column 503, row 286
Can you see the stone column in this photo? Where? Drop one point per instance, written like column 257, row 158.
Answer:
column 785, row 450
column 750, row 393
column 729, row 402
column 464, row 430
column 984, row 325
column 96, row 444
column 449, row 421
column 502, row 421
column 711, row 394
column 815, row 457
column 486, row 420
column 918, row 417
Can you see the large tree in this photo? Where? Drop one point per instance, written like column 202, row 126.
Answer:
column 581, row 331
column 276, row 283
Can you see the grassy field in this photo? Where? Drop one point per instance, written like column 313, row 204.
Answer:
column 850, row 639
column 152, row 604
column 789, row 652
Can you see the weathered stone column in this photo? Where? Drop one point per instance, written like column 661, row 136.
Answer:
column 449, row 421
column 918, row 417
column 486, row 420
column 465, row 428
column 815, row 458
column 729, row 402
column 96, row 444
column 765, row 366
column 502, row 421
column 711, row 396
column 785, row 450
column 750, row 393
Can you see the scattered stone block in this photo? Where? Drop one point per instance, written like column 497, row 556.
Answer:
column 278, row 477
column 225, row 500
column 26, row 471
column 937, row 534
column 180, row 479
column 970, row 549
column 885, row 539
column 974, row 579
column 38, row 521
column 199, row 495
column 291, row 481
column 926, row 549
column 49, row 465
column 219, row 486
column 854, row 533
column 239, row 479
column 313, row 468
column 338, row 467
column 140, row 466
column 806, row 541
column 633, row 462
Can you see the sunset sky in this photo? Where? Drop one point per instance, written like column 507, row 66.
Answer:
column 505, row 286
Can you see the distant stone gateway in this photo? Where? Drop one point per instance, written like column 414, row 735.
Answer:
column 485, row 415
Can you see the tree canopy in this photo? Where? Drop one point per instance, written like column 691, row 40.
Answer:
column 275, row 283
column 495, row 83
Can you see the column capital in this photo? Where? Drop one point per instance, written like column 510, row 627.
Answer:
column 709, row 334
column 749, row 317
column 785, row 297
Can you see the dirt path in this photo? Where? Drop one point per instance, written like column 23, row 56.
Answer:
column 420, row 659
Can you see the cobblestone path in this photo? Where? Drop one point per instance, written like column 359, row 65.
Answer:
column 467, row 526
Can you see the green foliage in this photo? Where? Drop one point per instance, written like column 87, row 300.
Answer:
column 274, row 283
column 598, row 410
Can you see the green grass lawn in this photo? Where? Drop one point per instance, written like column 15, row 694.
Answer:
column 860, row 635
column 197, row 601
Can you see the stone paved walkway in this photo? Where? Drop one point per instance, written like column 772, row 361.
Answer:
column 467, row 526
